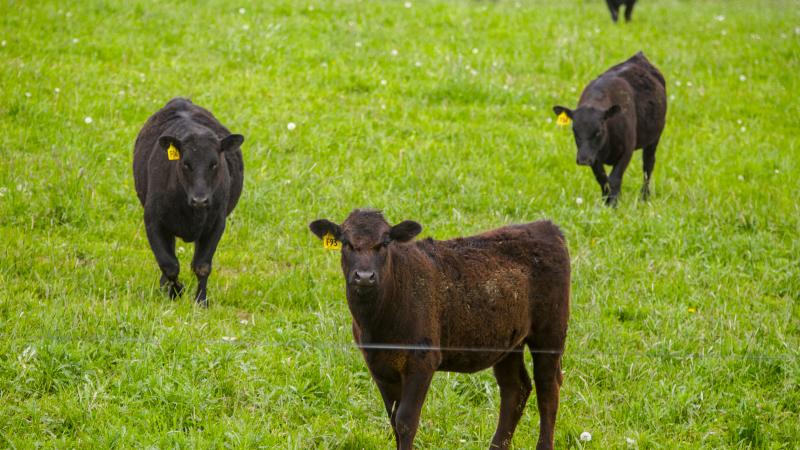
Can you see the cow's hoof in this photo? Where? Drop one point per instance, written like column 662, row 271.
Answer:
column 201, row 300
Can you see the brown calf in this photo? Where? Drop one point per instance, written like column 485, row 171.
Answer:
column 461, row 305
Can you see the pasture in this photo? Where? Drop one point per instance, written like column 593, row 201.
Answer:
column 685, row 323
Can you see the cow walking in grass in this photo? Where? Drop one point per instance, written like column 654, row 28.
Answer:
column 622, row 110
column 461, row 305
column 188, row 172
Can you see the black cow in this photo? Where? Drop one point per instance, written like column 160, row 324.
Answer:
column 614, row 5
column 189, row 172
column 622, row 110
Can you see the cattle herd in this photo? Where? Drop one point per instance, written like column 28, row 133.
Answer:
column 418, row 307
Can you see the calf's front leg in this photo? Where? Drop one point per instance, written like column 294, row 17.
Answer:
column 162, row 243
column 615, row 179
column 204, row 250
column 390, row 393
column 602, row 179
column 414, row 388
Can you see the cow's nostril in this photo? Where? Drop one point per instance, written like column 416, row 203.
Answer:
column 364, row 279
column 200, row 201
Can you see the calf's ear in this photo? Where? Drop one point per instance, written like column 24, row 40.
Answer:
column 231, row 142
column 405, row 231
column 322, row 227
column 560, row 109
column 165, row 141
column 611, row 112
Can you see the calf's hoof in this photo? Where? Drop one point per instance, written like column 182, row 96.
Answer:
column 645, row 193
column 174, row 288
column 201, row 300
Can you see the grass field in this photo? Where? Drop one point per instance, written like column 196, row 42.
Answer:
column 686, row 310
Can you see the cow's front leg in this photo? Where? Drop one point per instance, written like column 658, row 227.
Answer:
column 162, row 243
column 615, row 179
column 390, row 393
column 204, row 250
column 602, row 179
column 414, row 388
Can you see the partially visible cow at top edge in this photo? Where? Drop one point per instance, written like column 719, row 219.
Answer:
column 624, row 109
column 189, row 173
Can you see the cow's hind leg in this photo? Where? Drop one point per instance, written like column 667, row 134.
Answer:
column 547, row 377
column 629, row 9
column 515, row 388
column 614, row 8
column 648, row 162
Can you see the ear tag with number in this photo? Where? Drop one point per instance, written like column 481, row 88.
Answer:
column 330, row 242
column 172, row 153
column 563, row 119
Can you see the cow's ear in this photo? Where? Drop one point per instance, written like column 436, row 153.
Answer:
column 611, row 112
column 405, row 231
column 322, row 227
column 165, row 141
column 560, row 109
column 231, row 142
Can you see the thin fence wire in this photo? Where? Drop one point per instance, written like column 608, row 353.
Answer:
column 300, row 345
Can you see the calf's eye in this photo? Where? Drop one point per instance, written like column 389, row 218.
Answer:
column 187, row 166
column 213, row 166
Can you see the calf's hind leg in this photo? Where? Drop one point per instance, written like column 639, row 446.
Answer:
column 614, row 8
column 547, row 377
column 629, row 9
column 648, row 162
column 390, row 393
column 515, row 388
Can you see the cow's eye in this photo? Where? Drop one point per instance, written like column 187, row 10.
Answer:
column 347, row 245
column 213, row 166
column 596, row 134
column 187, row 166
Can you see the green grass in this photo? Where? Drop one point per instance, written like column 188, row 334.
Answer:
column 92, row 355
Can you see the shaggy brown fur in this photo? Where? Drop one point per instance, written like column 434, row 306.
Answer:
column 497, row 291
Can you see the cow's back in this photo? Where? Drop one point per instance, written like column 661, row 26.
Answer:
column 649, row 92
column 497, row 283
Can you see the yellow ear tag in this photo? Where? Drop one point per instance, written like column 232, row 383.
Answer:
column 172, row 153
column 330, row 242
column 563, row 119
